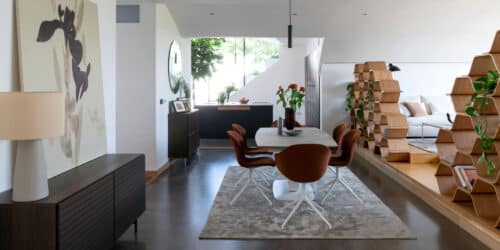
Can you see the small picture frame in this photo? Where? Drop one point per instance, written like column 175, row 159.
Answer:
column 179, row 106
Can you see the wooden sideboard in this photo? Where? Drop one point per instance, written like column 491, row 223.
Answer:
column 215, row 120
column 183, row 134
column 89, row 207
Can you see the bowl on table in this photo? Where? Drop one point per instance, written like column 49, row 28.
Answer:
column 294, row 132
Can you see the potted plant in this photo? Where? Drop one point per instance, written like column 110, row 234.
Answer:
column 482, row 96
column 221, row 98
column 291, row 99
column 229, row 90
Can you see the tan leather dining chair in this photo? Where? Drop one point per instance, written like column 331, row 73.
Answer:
column 345, row 159
column 304, row 164
column 249, row 150
column 338, row 135
column 249, row 164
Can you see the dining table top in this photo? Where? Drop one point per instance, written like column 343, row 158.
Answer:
column 269, row 138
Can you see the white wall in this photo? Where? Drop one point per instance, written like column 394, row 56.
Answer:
column 166, row 33
column 288, row 69
column 427, row 79
column 9, row 76
column 142, row 73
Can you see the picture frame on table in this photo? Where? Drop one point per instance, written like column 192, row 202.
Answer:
column 179, row 106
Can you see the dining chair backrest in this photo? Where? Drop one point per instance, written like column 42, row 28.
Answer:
column 238, row 146
column 240, row 129
column 303, row 163
column 275, row 124
column 348, row 147
column 338, row 134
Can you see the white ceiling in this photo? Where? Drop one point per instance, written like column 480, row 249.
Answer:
column 354, row 30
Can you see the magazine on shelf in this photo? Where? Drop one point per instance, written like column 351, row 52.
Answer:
column 466, row 175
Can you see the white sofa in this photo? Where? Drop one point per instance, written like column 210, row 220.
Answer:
column 436, row 108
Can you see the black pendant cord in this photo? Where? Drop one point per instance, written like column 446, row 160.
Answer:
column 290, row 28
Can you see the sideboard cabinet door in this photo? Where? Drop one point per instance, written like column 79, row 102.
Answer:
column 85, row 220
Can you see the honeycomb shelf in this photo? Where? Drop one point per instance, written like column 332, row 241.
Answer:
column 461, row 145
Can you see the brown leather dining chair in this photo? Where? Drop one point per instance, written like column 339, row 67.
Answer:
column 344, row 160
column 338, row 135
column 249, row 150
column 304, row 164
column 249, row 164
column 275, row 124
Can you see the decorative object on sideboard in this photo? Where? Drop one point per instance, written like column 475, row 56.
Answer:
column 393, row 68
column 244, row 100
column 28, row 117
column 179, row 106
column 221, row 98
column 59, row 50
column 291, row 99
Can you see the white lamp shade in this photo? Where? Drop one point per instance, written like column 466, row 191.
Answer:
column 31, row 115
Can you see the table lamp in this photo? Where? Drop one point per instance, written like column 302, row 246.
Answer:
column 28, row 117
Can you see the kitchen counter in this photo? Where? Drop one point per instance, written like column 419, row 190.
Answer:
column 216, row 119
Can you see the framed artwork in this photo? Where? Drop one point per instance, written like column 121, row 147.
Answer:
column 179, row 106
column 59, row 50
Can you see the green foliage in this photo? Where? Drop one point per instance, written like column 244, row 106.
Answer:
column 229, row 90
column 482, row 96
column 205, row 53
column 292, row 97
column 349, row 97
column 222, row 97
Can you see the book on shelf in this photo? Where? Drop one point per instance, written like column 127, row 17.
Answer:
column 466, row 175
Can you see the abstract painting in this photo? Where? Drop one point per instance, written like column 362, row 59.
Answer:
column 59, row 50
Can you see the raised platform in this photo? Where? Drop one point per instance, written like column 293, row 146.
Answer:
column 420, row 180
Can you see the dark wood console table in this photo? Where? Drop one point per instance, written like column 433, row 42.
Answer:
column 89, row 207
column 183, row 134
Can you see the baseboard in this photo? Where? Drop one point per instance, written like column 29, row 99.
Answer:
column 152, row 175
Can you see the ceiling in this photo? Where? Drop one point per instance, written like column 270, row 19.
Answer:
column 354, row 30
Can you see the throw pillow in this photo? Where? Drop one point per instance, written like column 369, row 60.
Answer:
column 416, row 109
column 404, row 110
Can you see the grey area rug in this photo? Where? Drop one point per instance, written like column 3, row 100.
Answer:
column 251, row 217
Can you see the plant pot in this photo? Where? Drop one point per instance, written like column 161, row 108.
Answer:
column 289, row 119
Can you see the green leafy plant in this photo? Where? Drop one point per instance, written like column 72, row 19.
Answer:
column 349, row 97
column 482, row 96
column 369, row 101
column 222, row 97
column 205, row 53
column 292, row 97
column 229, row 90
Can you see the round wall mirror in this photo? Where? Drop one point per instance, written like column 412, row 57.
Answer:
column 174, row 65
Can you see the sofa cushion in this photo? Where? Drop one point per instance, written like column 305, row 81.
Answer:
column 416, row 108
column 438, row 104
column 417, row 121
column 404, row 110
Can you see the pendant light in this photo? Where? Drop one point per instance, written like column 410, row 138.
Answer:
column 290, row 24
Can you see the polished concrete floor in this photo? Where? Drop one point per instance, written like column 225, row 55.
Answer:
column 179, row 202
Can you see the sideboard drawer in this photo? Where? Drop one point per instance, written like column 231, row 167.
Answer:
column 85, row 220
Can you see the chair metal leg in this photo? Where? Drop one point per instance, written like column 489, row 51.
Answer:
column 291, row 213
column 260, row 188
column 330, row 190
column 241, row 191
column 350, row 190
column 240, row 178
column 318, row 212
column 263, row 177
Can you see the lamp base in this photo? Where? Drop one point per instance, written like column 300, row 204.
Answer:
column 30, row 181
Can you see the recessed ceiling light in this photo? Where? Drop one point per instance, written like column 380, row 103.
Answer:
column 364, row 13
column 295, row 14
column 212, row 14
